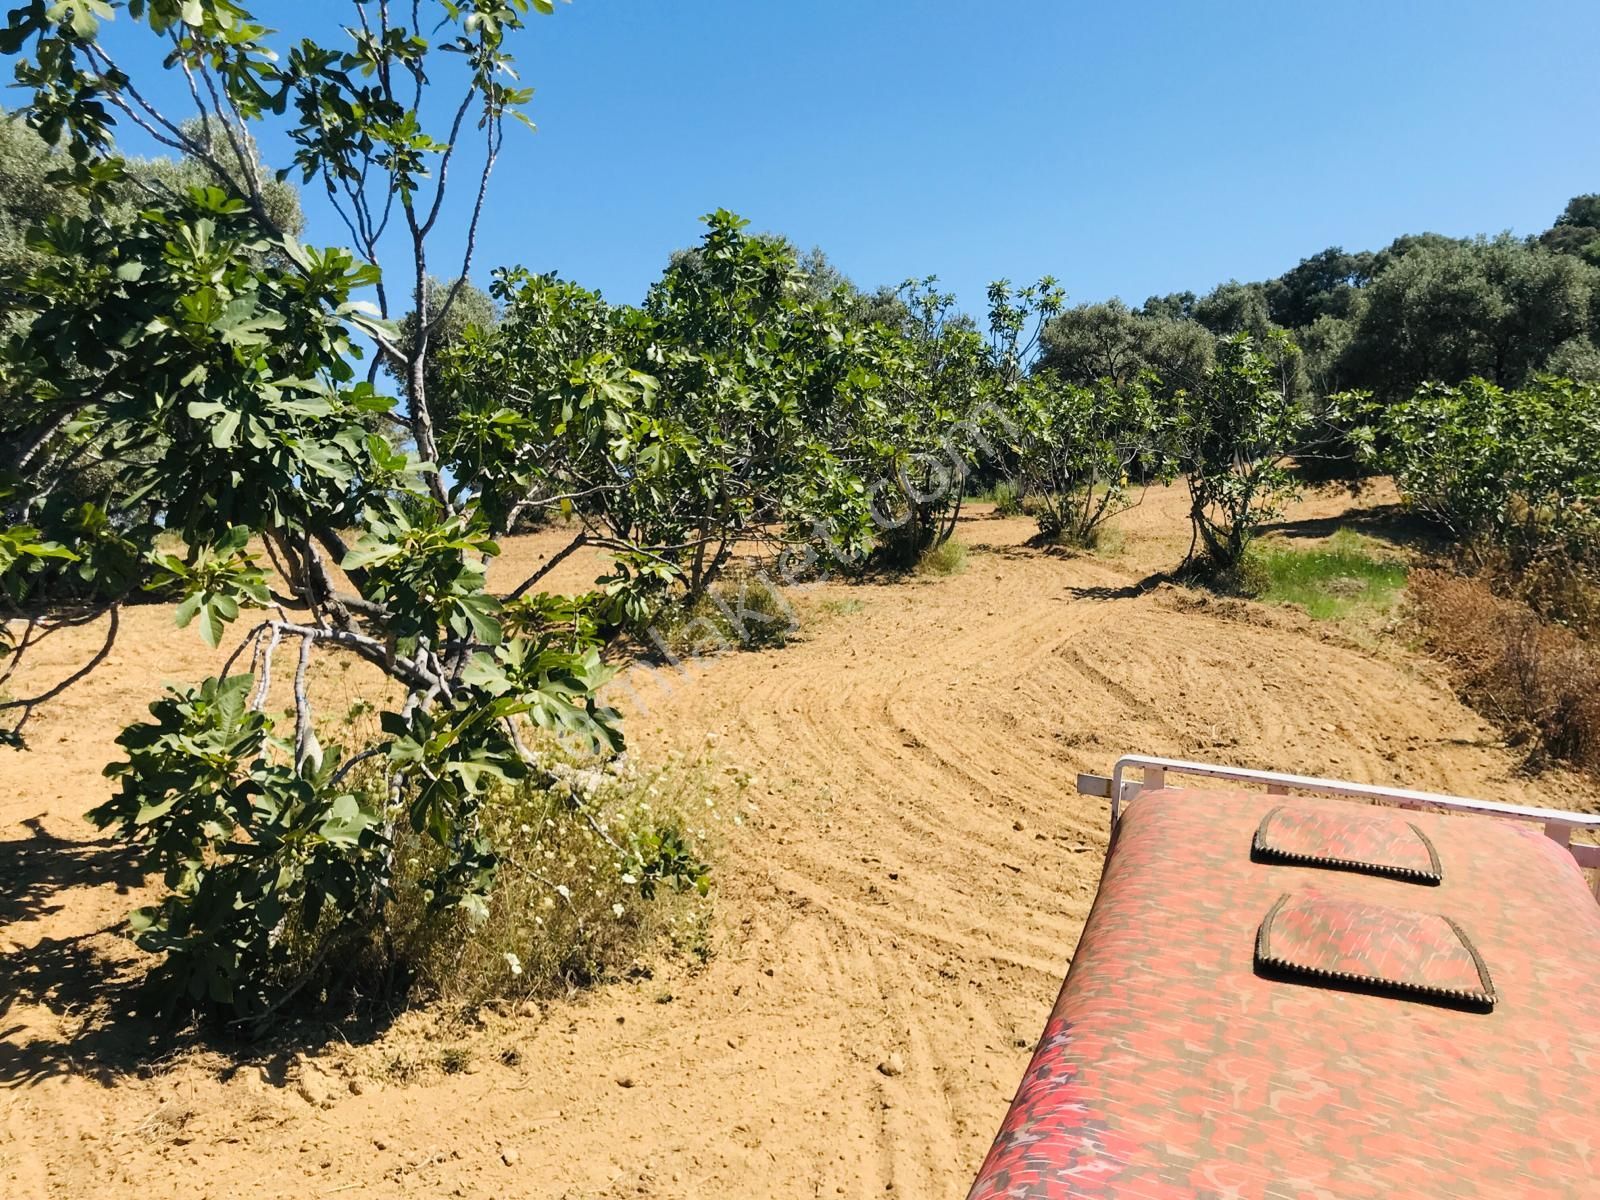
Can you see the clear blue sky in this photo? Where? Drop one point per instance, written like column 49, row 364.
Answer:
column 1128, row 148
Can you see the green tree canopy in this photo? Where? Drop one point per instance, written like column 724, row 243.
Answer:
column 1091, row 342
column 1447, row 311
column 1325, row 285
column 1577, row 230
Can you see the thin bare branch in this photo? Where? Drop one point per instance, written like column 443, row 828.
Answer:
column 29, row 703
column 444, row 162
column 305, row 737
column 251, row 640
column 264, row 683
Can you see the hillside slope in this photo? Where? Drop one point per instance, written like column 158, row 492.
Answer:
column 897, row 905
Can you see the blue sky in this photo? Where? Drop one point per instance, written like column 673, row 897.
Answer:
column 1127, row 148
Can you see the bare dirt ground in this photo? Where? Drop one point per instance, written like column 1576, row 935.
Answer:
column 896, row 912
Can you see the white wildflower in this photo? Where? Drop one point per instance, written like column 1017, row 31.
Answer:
column 514, row 963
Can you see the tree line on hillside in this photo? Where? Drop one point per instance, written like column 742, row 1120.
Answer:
column 1425, row 308
column 191, row 410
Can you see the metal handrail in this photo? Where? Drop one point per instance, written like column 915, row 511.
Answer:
column 1559, row 824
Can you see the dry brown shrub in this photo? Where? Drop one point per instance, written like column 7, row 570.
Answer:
column 1554, row 585
column 1539, row 681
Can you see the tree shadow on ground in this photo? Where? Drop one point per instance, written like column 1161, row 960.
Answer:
column 1128, row 591
column 72, row 1004
column 75, row 979
column 36, row 870
column 970, row 516
column 99, row 1028
column 1022, row 550
column 1384, row 522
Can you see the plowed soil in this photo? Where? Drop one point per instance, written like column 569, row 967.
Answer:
column 895, row 915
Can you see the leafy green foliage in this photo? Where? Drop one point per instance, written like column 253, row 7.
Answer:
column 206, row 360
column 249, row 848
column 1328, row 284
column 428, row 571
column 20, row 547
column 1091, row 342
column 213, row 583
column 719, row 411
column 1425, row 308
column 1239, row 428
column 1577, row 230
column 920, row 430
column 1494, row 308
column 1515, row 468
column 1081, row 450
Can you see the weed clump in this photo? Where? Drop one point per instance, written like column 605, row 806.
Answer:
column 1104, row 538
column 947, row 558
column 740, row 612
column 1007, row 498
column 1538, row 681
column 591, row 872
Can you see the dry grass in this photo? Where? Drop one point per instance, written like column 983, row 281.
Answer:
column 575, row 900
column 947, row 558
column 1554, row 585
column 1539, row 681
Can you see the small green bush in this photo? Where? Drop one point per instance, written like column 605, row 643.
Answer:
column 947, row 558
column 1506, row 469
column 740, row 612
column 1007, row 499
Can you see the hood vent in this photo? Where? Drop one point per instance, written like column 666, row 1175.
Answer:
column 1370, row 841
column 1368, row 947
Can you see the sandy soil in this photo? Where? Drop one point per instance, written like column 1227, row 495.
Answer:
column 895, row 915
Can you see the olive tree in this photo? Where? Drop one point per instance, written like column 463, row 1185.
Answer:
column 1445, row 311
column 1091, row 342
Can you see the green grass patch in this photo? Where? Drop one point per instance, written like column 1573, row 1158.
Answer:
column 1348, row 576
